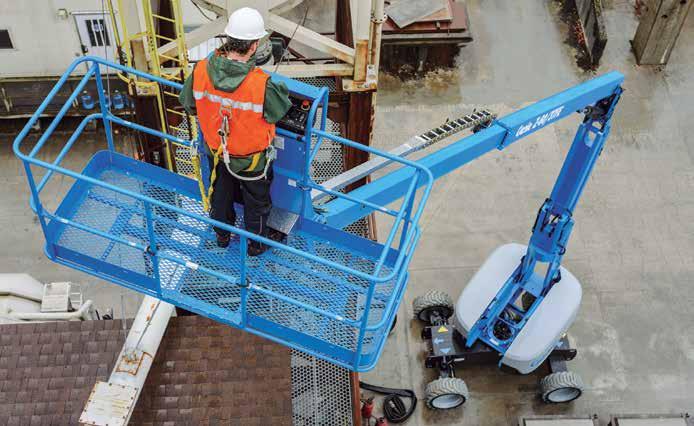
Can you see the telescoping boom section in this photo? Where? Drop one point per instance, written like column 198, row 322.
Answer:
column 323, row 291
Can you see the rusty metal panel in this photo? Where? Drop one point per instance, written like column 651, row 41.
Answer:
column 109, row 404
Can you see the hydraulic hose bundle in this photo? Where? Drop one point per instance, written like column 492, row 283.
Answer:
column 394, row 408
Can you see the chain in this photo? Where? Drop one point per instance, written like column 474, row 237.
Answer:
column 451, row 127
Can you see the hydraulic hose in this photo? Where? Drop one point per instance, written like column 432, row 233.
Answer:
column 394, row 408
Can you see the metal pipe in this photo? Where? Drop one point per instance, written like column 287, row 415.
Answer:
column 329, row 192
column 66, row 106
column 377, row 270
column 71, row 141
column 378, row 16
column 362, row 25
column 361, row 39
column 140, row 347
column 152, row 248
column 105, row 110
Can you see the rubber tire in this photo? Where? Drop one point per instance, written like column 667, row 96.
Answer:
column 445, row 386
column 392, row 326
column 432, row 299
column 561, row 380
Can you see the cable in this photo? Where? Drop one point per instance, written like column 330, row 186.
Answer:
column 284, row 52
column 106, row 42
column 201, row 11
column 393, row 406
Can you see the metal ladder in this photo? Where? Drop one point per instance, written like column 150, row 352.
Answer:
column 179, row 159
column 176, row 69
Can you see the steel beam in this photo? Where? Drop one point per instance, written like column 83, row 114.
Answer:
column 312, row 70
column 197, row 36
column 218, row 7
column 310, row 38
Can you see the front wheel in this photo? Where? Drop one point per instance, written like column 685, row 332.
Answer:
column 564, row 386
column 446, row 393
column 433, row 300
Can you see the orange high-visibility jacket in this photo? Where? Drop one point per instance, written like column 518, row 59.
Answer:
column 249, row 132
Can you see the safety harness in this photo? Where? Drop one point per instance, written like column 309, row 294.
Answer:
column 270, row 154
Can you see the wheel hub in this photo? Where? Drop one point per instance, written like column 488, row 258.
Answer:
column 445, row 402
column 564, row 395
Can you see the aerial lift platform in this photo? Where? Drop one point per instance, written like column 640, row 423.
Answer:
column 323, row 291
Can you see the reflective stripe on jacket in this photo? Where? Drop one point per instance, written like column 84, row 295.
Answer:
column 249, row 132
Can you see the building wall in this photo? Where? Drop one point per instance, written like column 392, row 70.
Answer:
column 46, row 44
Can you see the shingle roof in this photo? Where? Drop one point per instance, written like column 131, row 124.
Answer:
column 203, row 373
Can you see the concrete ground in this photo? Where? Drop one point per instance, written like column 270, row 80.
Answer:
column 631, row 247
column 633, row 241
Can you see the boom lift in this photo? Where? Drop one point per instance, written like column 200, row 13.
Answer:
column 518, row 306
column 325, row 291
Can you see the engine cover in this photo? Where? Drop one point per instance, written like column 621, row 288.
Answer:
column 549, row 322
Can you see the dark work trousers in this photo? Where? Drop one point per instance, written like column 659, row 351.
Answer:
column 254, row 195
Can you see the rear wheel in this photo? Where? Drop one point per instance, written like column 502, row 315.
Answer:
column 564, row 386
column 392, row 326
column 446, row 393
column 433, row 300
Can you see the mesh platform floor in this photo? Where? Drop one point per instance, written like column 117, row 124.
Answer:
column 193, row 241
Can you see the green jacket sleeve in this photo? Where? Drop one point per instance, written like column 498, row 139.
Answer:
column 277, row 101
column 186, row 96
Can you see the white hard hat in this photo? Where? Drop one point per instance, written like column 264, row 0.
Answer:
column 246, row 24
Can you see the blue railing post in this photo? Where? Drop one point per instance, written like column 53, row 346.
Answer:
column 105, row 111
column 323, row 121
column 408, row 215
column 306, row 203
column 38, row 208
column 152, row 247
column 243, row 280
column 377, row 270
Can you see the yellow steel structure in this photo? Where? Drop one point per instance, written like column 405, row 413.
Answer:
column 173, row 66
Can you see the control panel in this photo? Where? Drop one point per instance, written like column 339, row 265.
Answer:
column 296, row 117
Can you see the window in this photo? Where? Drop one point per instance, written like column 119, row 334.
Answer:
column 5, row 40
column 98, row 35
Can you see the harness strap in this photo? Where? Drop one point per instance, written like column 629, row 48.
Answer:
column 255, row 159
column 213, row 172
column 270, row 156
column 195, row 159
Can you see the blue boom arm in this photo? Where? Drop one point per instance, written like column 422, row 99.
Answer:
column 503, row 319
column 502, row 133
